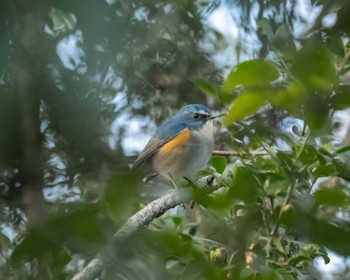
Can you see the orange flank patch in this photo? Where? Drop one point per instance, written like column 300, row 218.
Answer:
column 177, row 142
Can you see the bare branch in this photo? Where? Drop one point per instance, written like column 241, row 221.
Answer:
column 233, row 153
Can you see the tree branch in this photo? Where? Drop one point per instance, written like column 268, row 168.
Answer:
column 28, row 89
column 234, row 153
column 142, row 218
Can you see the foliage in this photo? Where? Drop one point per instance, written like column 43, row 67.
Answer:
column 285, row 189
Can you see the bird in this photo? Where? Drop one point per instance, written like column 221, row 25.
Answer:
column 181, row 146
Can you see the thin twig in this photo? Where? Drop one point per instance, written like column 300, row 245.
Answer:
column 234, row 153
column 290, row 190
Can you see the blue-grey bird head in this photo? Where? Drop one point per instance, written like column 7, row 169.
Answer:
column 194, row 116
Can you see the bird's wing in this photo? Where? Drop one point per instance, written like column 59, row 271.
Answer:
column 150, row 149
column 168, row 131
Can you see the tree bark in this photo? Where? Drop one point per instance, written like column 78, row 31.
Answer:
column 27, row 66
column 30, row 27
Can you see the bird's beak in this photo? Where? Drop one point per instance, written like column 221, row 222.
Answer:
column 217, row 116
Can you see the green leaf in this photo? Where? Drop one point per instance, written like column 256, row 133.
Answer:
column 298, row 259
column 266, row 26
column 323, row 234
column 286, row 157
column 316, row 112
column 174, row 265
column 324, row 171
column 334, row 196
column 245, row 105
column 34, row 246
column 244, row 185
column 284, row 41
column 309, row 155
column 288, row 214
column 288, row 276
column 253, row 73
column 290, row 98
column 272, row 274
column 342, row 164
column 343, row 150
column 247, row 273
column 185, row 237
column 206, row 87
column 335, row 44
column 277, row 186
column 325, row 258
column 4, row 242
column 278, row 245
column 341, row 99
column 314, row 66
column 177, row 220
column 219, row 163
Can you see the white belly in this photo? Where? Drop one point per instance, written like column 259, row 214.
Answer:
column 191, row 158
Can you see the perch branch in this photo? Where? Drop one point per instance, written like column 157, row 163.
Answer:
column 234, row 153
column 142, row 218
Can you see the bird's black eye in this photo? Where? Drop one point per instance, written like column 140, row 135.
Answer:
column 196, row 116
